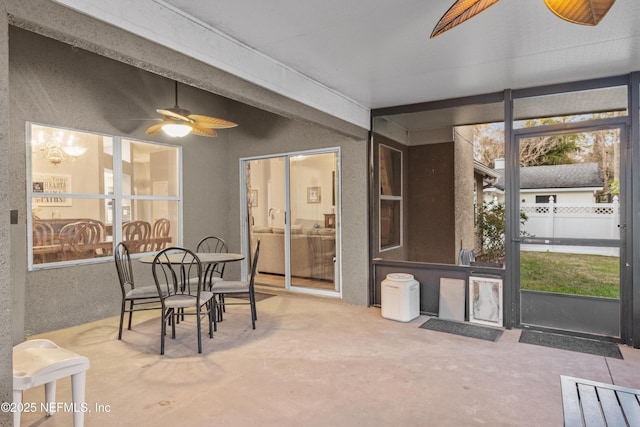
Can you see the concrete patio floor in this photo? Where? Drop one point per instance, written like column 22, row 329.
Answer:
column 318, row 362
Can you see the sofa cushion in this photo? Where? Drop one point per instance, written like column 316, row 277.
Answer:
column 261, row 229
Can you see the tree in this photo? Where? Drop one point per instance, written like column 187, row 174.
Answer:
column 490, row 225
column 548, row 150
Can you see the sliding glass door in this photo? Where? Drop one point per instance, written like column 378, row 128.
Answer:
column 292, row 207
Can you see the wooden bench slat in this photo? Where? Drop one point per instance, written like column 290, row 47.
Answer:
column 611, row 408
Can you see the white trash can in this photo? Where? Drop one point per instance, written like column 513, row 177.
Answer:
column 400, row 297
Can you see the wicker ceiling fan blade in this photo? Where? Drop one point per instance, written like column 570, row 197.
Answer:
column 211, row 122
column 175, row 114
column 461, row 11
column 196, row 130
column 153, row 129
column 584, row 12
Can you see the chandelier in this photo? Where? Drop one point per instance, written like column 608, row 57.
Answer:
column 57, row 147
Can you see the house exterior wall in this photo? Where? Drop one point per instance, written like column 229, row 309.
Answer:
column 564, row 195
column 464, row 182
column 49, row 85
column 432, row 209
column 269, row 134
column 6, row 291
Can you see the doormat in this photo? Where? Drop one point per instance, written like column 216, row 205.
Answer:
column 464, row 329
column 565, row 342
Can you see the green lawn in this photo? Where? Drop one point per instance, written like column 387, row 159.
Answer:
column 593, row 275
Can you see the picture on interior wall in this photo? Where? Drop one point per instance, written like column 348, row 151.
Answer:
column 313, row 194
column 51, row 183
column 485, row 301
column 253, row 198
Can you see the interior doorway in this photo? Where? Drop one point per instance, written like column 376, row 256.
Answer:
column 293, row 205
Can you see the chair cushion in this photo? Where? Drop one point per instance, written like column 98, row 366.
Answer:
column 143, row 292
column 185, row 300
column 230, row 287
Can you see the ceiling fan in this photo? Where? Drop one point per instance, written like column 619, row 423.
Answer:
column 584, row 12
column 178, row 122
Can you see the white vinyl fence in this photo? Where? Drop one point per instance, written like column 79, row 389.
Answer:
column 572, row 220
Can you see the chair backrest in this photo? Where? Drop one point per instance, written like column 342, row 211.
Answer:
column 81, row 238
column 213, row 244
column 137, row 234
column 177, row 271
column 254, row 264
column 123, row 266
column 161, row 230
column 43, row 234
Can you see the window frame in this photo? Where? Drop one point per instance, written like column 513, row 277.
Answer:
column 392, row 198
column 117, row 197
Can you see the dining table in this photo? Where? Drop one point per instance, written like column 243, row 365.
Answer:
column 205, row 258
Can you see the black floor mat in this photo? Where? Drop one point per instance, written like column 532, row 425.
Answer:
column 464, row 329
column 565, row 342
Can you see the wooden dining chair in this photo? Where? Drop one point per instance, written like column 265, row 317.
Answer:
column 160, row 234
column 229, row 289
column 43, row 235
column 137, row 234
column 180, row 284
column 82, row 239
column 134, row 298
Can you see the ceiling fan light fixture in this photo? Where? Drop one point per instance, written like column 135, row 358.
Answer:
column 584, row 12
column 176, row 129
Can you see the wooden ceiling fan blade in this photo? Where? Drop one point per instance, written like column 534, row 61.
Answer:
column 153, row 129
column 461, row 11
column 196, row 130
column 211, row 122
column 584, row 12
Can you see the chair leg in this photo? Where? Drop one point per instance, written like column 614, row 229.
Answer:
column 173, row 323
column 130, row 314
column 50, row 397
column 17, row 400
column 254, row 316
column 121, row 319
column 199, row 330
column 210, row 317
column 214, row 314
column 163, row 331
column 78, row 382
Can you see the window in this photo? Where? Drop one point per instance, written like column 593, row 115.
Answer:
column 390, row 173
column 546, row 198
column 88, row 191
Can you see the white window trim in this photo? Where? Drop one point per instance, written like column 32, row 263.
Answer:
column 117, row 197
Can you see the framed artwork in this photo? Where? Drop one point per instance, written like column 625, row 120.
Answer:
column 51, row 183
column 485, row 300
column 253, row 198
column 313, row 195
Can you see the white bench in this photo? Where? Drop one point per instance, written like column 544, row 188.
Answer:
column 41, row 361
column 591, row 403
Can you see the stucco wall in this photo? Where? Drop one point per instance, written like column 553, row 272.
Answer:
column 271, row 134
column 432, row 208
column 54, row 83
column 59, row 84
column 6, row 374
